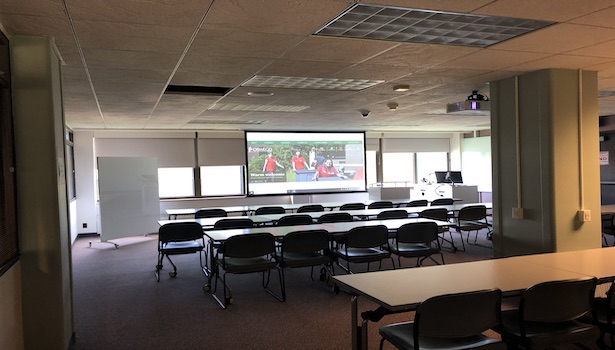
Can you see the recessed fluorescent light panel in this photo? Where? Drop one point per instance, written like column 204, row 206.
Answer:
column 310, row 83
column 256, row 108
column 427, row 27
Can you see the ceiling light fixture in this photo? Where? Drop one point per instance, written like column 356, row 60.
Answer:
column 392, row 106
column 260, row 93
column 401, row 88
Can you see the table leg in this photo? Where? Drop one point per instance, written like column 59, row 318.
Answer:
column 354, row 323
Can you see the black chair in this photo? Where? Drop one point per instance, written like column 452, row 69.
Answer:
column 179, row 238
column 451, row 321
column 336, row 238
column 603, row 315
column 335, row 217
column 352, row 206
column 608, row 228
column 306, row 249
column 417, row 203
column 380, row 205
column 293, row 220
column 548, row 315
column 392, row 214
column 232, row 223
column 210, row 213
column 364, row 244
column 269, row 210
column 417, row 240
column 440, row 214
column 310, row 208
column 442, row 201
column 241, row 254
column 471, row 219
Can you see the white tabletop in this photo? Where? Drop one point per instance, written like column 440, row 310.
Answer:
column 599, row 262
column 404, row 289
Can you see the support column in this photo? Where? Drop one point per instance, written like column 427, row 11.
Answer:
column 545, row 162
column 44, row 238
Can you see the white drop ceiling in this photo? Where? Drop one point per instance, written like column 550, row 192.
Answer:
column 120, row 55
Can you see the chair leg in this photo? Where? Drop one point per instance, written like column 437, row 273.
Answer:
column 159, row 266
column 174, row 272
column 282, row 295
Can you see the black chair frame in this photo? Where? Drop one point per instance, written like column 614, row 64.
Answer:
column 417, row 240
column 241, row 254
column 364, row 244
column 180, row 238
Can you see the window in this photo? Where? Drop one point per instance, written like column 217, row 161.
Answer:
column 175, row 182
column 222, row 180
column 429, row 162
column 70, row 165
column 398, row 167
column 371, row 167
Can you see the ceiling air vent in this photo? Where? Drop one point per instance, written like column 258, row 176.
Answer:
column 197, row 90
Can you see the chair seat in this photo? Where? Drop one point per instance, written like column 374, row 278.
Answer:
column 172, row 248
column 362, row 254
column 401, row 335
column 471, row 226
column 543, row 333
column 305, row 259
column 410, row 249
column 244, row 265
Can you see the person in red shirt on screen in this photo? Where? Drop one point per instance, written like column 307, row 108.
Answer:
column 270, row 164
column 298, row 162
column 327, row 170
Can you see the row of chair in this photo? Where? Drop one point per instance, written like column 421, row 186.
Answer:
column 262, row 253
column 549, row 314
column 266, row 210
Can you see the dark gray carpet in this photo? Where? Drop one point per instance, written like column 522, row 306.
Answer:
column 119, row 305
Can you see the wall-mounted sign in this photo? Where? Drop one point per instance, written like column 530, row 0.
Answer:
column 604, row 157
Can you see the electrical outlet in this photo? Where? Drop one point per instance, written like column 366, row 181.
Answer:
column 584, row 215
column 517, row 213
column 85, row 225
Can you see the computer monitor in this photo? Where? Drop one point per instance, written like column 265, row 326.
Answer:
column 449, row 177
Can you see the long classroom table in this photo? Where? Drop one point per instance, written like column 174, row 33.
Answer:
column 364, row 214
column 249, row 209
column 405, row 289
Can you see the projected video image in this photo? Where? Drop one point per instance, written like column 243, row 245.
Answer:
column 296, row 162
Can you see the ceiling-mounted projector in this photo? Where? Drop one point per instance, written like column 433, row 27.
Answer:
column 476, row 104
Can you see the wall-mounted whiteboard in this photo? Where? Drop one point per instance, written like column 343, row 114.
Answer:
column 128, row 194
column 476, row 162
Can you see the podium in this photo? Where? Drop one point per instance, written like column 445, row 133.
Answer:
column 468, row 194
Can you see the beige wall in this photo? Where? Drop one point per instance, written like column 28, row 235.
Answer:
column 11, row 331
column 555, row 172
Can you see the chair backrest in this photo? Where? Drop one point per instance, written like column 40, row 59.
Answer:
column 231, row 223
column 210, row 213
column 269, row 210
column 442, row 201
column 249, row 245
column 380, row 205
column 472, row 213
column 417, row 232
column 392, row 214
column 180, row 231
column 557, row 301
column 305, row 241
column 352, row 206
column 457, row 315
column 297, row 219
column 335, row 217
column 418, row 203
column 311, row 208
column 435, row 214
column 367, row 236
column 607, row 220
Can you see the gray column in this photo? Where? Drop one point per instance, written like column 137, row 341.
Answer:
column 44, row 238
column 545, row 162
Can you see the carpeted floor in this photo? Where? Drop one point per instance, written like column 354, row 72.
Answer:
column 119, row 305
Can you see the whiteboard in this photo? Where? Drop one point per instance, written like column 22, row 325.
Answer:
column 128, row 195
